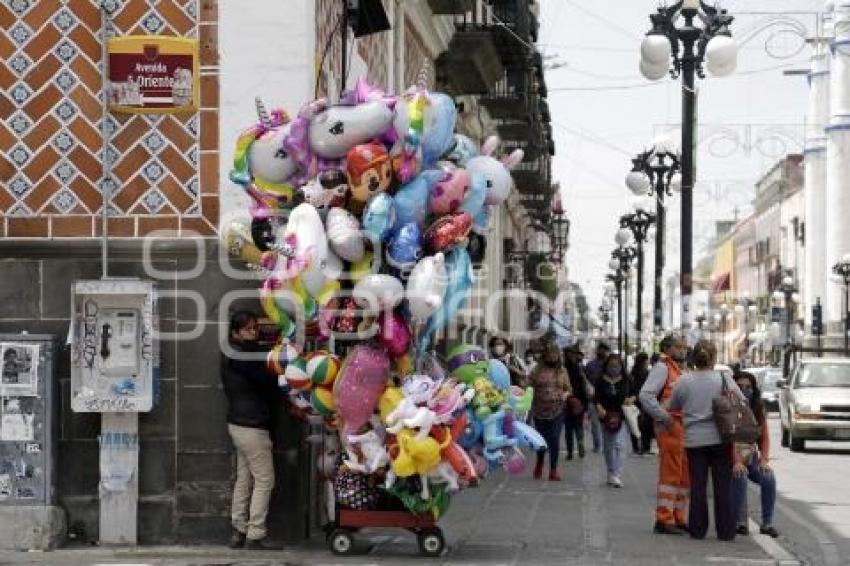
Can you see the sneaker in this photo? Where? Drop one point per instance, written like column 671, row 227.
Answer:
column 581, row 451
column 237, row 539
column 743, row 530
column 769, row 530
column 261, row 544
column 662, row 529
column 616, row 481
column 570, row 456
column 553, row 476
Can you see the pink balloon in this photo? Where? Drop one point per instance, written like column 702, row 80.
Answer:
column 395, row 334
column 361, row 381
column 447, row 195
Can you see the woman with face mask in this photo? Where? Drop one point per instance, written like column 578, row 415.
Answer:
column 551, row 389
column 753, row 462
column 502, row 351
column 612, row 392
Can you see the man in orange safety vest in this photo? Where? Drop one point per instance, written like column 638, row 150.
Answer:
column 673, row 484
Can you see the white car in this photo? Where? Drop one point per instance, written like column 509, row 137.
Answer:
column 814, row 404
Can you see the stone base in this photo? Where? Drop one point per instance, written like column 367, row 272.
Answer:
column 32, row 527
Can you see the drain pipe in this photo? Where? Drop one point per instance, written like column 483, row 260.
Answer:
column 106, row 165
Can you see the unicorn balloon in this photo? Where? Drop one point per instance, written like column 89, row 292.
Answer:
column 497, row 173
column 261, row 165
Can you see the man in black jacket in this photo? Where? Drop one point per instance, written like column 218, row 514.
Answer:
column 251, row 392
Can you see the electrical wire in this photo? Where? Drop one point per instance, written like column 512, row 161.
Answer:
column 325, row 51
column 623, row 31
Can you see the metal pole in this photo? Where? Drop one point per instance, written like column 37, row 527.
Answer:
column 105, row 192
column 619, row 284
column 344, row 54
column 846, row 315
column 626, row 323
column 659, row 255
column 689, row 36
column 639, row 323
column 788, row 318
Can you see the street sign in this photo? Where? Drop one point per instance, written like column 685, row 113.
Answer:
column 153, row 74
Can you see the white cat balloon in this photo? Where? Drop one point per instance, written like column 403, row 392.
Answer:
column 497, row 173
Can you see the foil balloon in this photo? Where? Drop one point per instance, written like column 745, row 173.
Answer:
column 322, row 283
column 497, row 173
column 305, row 235
column 440, row 118
column 378, row 292
column 460, row 277
column 477, row 248
column 395, row 334
column 447, row 232
column 362, row 268
column 499, row 375
column 328, row 190
column 461, row 150
column 411, row 201
column 278, row 316
column 343, row 233
column 426, row 286
column 369, row 172
column 237, row 240
column 473, row 202
column 527, row 436
column 379, row 217
column 405, row 247
column 358, row 386
column 481, row 221
column 448, row 194
column 335, row 130
column 468, row 363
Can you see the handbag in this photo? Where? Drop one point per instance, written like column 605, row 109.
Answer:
column 574, row 406
column 734, row 419
column 612, row 421
column 631, row 413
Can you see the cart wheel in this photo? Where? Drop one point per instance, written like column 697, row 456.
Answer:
column 341, row 542
column 431, row 541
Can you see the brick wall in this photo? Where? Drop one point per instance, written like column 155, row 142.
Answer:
column 164, row 168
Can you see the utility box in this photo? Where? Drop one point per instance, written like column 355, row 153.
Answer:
column 29, row 518
column 114, row 356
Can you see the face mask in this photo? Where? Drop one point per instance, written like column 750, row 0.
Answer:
column 499, row 350
column 613, row 372
column 748, row 393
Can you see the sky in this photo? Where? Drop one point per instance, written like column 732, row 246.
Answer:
column 604, row 112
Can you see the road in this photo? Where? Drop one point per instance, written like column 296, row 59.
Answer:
column 814, row 499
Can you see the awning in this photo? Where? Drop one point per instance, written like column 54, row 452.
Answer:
column 721, row 283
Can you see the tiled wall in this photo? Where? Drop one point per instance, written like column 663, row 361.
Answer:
column 164, row 168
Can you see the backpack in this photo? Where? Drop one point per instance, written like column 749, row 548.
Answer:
column 733, row 416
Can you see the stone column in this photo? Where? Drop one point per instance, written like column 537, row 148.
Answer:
column 817, row 119
column 838, row 160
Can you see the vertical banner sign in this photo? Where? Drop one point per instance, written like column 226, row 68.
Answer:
column 153, row 74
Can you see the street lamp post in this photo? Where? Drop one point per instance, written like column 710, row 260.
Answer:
column 788, row 292
column 720, row 318
column 842, row 269
column 617, row 278
column 700, row 318
column 637, row 225
column 656, row 172
column 621, row 261
column 745, row 308
column 689, row 46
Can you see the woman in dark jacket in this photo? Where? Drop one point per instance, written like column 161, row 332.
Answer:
column 612, row 392
column 251, row 394
column 576, row 403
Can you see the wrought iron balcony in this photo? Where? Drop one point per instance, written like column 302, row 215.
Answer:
column 449, row 7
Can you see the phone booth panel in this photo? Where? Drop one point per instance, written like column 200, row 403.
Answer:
column 114, row 358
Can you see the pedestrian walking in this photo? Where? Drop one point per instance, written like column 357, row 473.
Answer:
column 577, row 402
column 612, row 392
column 673, row 482
column 593, row 370
column 693, row 396
column 753, row 463
column 530, row 360
column 637, row 377
column 500, row 349
column 251, row 394
column 551, row 390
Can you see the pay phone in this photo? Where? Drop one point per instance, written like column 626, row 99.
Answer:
column 119, row 342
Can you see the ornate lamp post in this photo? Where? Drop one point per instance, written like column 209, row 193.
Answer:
column 560, row 228
column 617, row 278
column 700, row 318
column 637, row 225
column 656, row 172
column 621, row 262
column 842, row 269
column 788, row 293
column 745, row 308
column 688, row 46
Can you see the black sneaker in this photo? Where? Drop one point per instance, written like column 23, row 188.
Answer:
column 569, row 456
column 261, row 544
column 237, row 539
column 769, row 531
column 743, row 530
column 581, row 451
column 662, row 529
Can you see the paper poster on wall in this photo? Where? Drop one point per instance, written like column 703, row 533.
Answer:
column 16, row 424
column 19, row 373
column 5, row 486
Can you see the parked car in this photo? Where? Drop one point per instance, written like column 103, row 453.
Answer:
column 768, row 380
column 814, row 404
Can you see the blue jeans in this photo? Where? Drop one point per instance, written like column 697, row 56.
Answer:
column 614, row 442
column 550, row 430
column 767, row 481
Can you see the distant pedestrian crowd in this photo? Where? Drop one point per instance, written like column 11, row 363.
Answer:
column 676, row 397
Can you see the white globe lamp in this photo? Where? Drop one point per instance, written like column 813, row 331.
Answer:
column 721, row 56
column 638, row 182
column 655, row 50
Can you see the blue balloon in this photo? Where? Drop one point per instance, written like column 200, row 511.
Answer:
column 461, row 150
column 405, row 247
column 379, row 217
column 500, row 376
column 472, row 433
column 460, row 277
column 411, row 201
column 527, row 436
column 481, row 221
column 473, row 202
column 440, row 128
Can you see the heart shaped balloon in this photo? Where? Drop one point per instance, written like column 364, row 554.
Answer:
column 447, row 232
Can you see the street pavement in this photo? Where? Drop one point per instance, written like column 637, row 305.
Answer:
column 507, row 520
column 814, row 504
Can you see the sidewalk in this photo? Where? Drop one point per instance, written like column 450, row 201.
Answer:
column 508, row 520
